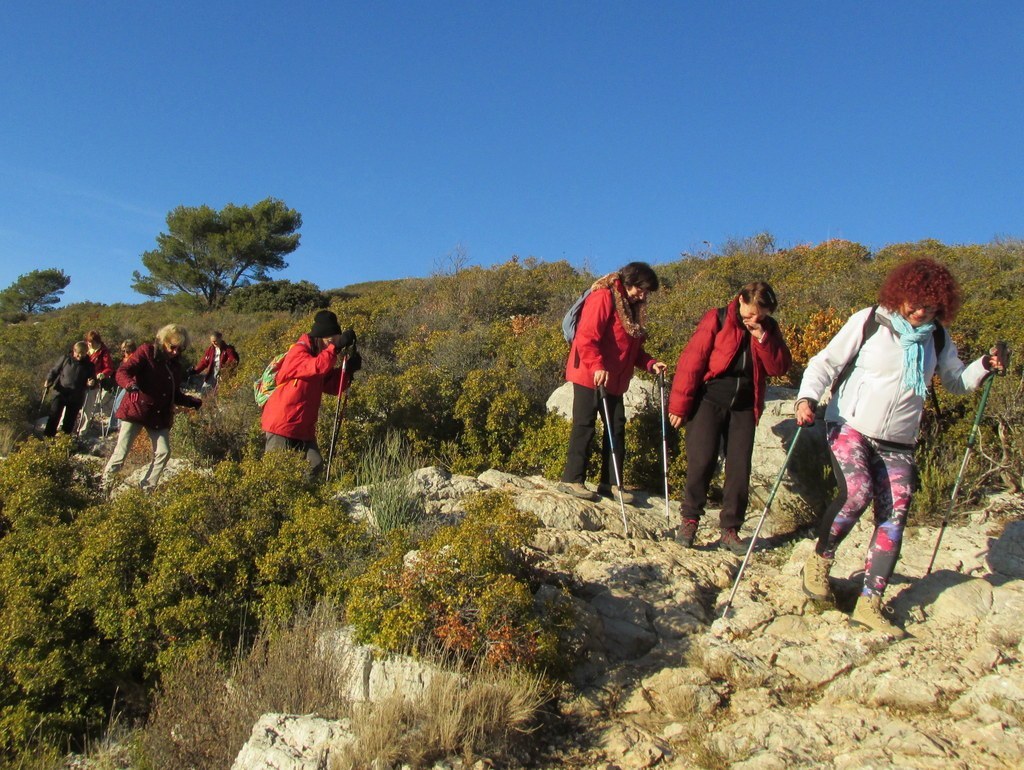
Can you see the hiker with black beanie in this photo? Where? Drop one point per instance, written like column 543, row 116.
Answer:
column 311, row 367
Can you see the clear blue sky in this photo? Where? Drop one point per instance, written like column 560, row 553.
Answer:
column 595, row 132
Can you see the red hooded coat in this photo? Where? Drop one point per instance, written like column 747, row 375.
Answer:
column 710, row 351
column 293, row 407
column 602, row 342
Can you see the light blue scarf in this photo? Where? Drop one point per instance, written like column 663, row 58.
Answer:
column 912, row 341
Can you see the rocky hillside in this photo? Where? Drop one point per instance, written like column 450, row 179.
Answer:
column 782, row 682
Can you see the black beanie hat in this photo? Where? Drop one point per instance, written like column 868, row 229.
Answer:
column 325, row 324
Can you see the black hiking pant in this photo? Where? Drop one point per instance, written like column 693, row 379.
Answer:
column 586, row 404
column 68, row 403
column 711, row 426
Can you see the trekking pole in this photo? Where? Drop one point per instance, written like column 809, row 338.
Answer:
column 615, row 460
column 338, row 412
column 110, row 417
column 664, row 445
column 757, row 531
column 971, row 440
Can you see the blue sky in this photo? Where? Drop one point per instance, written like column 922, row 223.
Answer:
column 595, row 132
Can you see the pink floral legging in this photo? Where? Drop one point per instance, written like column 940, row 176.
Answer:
column 868, row 470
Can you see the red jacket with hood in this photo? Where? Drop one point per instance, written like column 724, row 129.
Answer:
column 228, row 358
column 293, row 407
column 153, row 383
column 602, row 342
column 711, row 350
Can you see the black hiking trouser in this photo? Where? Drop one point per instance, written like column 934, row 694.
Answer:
column 68, row 403
column 711, row 426
column 586, row 404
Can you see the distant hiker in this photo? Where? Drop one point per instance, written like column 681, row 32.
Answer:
column 152, row 378
column 98, row 394
column 608, row 345
column 70, row 378
column 219, row 358
column 718, row 392
column 874, row 416
column 127, row 347
column 310, row 368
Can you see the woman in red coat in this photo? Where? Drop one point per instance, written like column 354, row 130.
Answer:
column 608, row 346
column 718, row 391
column 152, row 378
column 310, row 368
column 96, row 396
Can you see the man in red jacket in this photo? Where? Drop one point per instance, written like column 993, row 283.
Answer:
column 718, row 391
column 310, row 368
column 608, row 345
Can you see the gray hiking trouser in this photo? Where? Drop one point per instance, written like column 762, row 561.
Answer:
column 161, row 440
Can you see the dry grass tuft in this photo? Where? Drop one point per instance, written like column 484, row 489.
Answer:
column 479, row 714
column 205, row 710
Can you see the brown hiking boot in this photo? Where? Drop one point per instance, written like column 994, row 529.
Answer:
column 868, row 614
column 612, row 491
column 687, row 532
column 577, row 490
column 730, row 541
column 816, row 570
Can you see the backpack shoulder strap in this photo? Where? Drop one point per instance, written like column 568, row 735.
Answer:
column 870, row 327
column 721, row 316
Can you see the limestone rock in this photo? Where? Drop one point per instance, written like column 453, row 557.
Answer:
column 1006, row 553
column 642, row 394
column 292, row 742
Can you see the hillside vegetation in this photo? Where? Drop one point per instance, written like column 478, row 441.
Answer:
column 103, row 600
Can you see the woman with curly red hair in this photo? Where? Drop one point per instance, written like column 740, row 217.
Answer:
column 878, row 385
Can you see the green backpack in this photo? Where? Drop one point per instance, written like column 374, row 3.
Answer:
column 266, row 383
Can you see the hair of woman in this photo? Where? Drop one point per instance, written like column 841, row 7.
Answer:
column 922, row 283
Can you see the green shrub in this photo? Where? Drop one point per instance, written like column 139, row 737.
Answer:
column 386, row 471
column 464, row 590
column 56, row 675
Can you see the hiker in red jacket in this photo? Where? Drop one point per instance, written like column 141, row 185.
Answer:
column 97, row 395
column 219, row 359
column 718, row 392
column 310, row 368
column 152, row 378
column 608, row 346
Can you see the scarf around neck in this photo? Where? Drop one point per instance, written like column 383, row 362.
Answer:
column 912, row 341
column 633, row 318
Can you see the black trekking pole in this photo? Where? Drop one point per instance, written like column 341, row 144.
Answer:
column 664, row 445
column 615, row 460
column 113, row 408
column 338, row 412
column 757, row 531
column 972, row 438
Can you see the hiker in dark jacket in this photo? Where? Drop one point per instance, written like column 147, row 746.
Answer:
column 152, row 378
column 70, row 378
column 718, row 392
column 607, row 348
column 310, row 369
column 219, row 359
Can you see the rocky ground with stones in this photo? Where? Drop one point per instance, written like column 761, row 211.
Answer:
column 781, row 682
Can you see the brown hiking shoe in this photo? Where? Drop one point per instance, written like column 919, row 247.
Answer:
column 687, row 532
column 868, row 614
column 610, row 490
column 816, row 570
column 731, row 542
column 579, row 491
